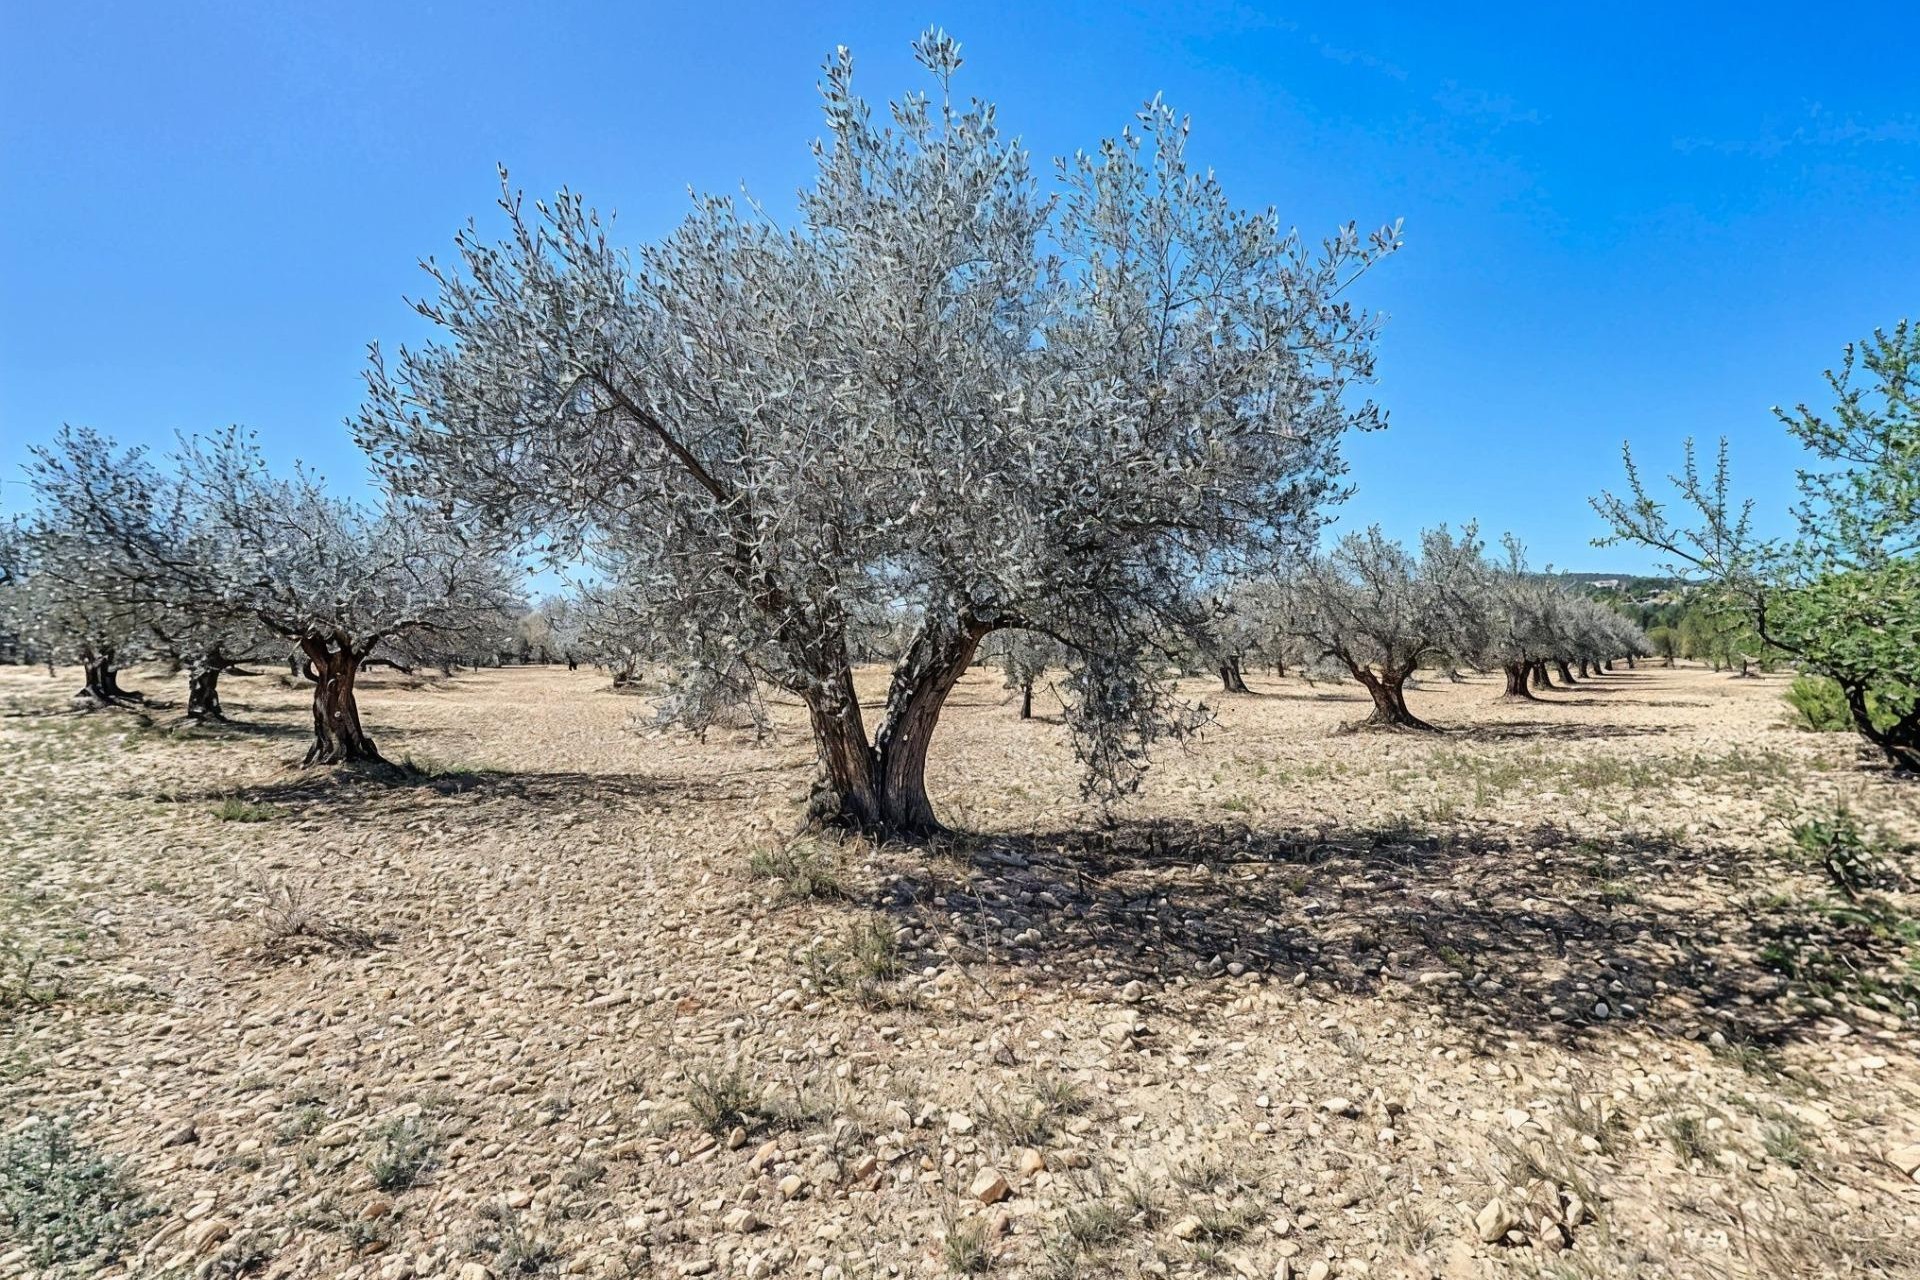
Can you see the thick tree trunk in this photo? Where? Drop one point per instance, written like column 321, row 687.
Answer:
column 1630, row 665
column 1389, row 700
column 102, row 682
column 882, row 789
column 1231, row 679
column 1586, row 670
column 1537, row 676
column 337, row 735
column 1566, row 672
column 203, row 693
column 1026, row 701
column 1517, row 690
column 1280, row 668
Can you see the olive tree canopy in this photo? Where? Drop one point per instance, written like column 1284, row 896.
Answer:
column 1007, row 407
column 342, row 580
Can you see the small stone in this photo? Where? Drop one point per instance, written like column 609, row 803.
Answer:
column 736, row 1138
column 743, row 1221
column 1134, row 992
column 988, row 1186
column 765, row 1156
column 791, row 1185
column 185, row 1135
column 206, row 1233
column 1186, row 1228
column 1494, row 1221
column 1319, row 1270
column 1906, row 1159
column 1340, row 1107
column 959, row 1122
column 1031, row 1161
column 475, row 1271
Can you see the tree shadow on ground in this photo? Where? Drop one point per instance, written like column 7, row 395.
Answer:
column 403, row 782
column 1549, row 730
column 1544, row 936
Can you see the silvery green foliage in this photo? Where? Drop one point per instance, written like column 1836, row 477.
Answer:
column 943, row 386
column 1371, row 604
column 98, row 552
column 313, row 566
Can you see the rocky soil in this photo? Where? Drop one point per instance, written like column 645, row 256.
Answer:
column 1555, row 993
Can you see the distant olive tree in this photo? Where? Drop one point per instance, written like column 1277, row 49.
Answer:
column 941, row 386
column 1380, row 610
column 349, row 584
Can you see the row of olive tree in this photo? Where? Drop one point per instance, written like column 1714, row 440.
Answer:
column 213, row 561
column 1377, row 611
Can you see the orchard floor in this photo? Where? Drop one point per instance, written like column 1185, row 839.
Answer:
column 1310, row 1007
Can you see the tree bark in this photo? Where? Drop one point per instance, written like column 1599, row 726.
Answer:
column 1231, row 678
column 203, row 693
column 881, row 790
column 1537, row 676
column 1026, row 701
column 337, row 735
column 1566, row 673
column 1517, row 690
column 1630, row 665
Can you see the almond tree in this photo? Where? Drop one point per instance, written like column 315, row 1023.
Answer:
column 1380, row 610
column 343, row 581
column 941, row 386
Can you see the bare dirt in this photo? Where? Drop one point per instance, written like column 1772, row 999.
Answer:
column 1552, row 993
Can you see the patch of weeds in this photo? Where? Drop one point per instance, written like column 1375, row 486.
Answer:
column 1782, row 1141
column 1690, row 1139
column 723, row 1099
column 289, row 923
column 234, row 809
column 513, row 1249
column 1028, row 1117
column 860, row 964
column 303, row 1121
column 1224, row 1226
column 27, row 980
column 402, row 1154
column 805, row 870
column 1237, row 804
column 963, row 1248
column 64, row 1203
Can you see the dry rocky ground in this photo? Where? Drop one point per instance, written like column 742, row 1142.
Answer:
column 1552, row 994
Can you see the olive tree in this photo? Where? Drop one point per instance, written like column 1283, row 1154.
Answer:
column 344, row 581
column 942, row 386
column 1379, row 610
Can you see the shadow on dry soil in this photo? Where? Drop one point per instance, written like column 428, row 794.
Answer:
column 1542, row 936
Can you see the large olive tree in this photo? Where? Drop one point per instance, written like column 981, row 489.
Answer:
column 942, row 385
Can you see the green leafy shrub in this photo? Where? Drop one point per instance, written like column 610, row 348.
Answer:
column 63, row 1202
column 1819, row 706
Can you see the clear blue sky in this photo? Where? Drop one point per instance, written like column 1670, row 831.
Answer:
column 1635, row 222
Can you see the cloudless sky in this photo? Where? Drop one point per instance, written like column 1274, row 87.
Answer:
column 1622, row 221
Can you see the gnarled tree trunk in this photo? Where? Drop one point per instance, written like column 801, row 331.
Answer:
column 1231, row 678
column 1537, row 675
column 881, row 789
column 102, row 682
column 1566, row 672
column 1388, row 689
column 203, row 692
column 1898, row 742
column 1026, row 701
column 1516, row 673
column 337, row 735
